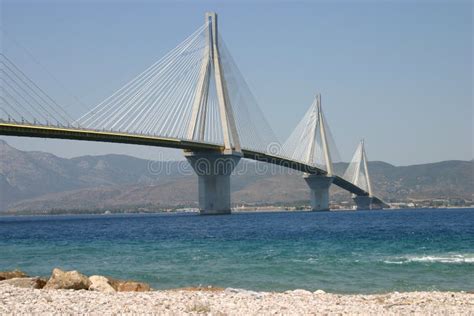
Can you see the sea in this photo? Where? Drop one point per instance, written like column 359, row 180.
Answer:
column 339, row 252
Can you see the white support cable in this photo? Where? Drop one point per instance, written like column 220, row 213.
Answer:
column 172, row 97
column 357, row 171
column 185, row 100
column 324, row 141
column 173, row 94
column 140, row 89
column 298, row 143
column 5, row 111
column 171, row 54
column 21, row 92
column 17, row 90
column 172, row 116
column 155, row 93
column 52, row 104
column 213, row 125
column 252, row 127
column 143, row 114
column 120, row 117
column 313, row 124
column 31, row 115
column 366, row 167
column 10, row 106
column 311, row 141
column 25, row 100
column 144, row 92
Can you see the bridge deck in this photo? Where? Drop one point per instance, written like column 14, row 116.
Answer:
column 16, row 129
column 11, row 129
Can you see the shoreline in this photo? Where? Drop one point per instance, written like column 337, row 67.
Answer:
column 219, row 301
column 234, row 210
column 218, row 288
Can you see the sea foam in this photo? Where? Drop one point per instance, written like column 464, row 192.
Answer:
column 448, row 258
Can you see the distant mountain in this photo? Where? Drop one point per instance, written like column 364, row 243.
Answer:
column 41, row 181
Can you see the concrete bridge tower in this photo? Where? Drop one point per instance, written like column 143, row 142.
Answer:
column 361, row 178
column 213, row 168
column 319, row 183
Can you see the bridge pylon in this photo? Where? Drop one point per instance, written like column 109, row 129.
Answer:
column 212, row 66
column 319, row 184
column 319, row 191
column 309, row 144
column 213, row 169
column 358, row 174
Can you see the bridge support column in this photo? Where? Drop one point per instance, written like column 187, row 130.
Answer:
column 362, row 202
column 213, row 171
column 319, row 186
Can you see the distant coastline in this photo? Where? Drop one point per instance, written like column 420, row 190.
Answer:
column 39, row 182
column 266, row 209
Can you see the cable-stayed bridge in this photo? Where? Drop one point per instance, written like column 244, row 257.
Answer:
column 195, row 99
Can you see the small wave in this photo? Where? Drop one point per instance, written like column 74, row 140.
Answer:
column 455, row 258
column 306, row 260
column 393, row 262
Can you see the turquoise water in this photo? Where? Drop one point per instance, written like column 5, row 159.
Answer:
column 344, row 252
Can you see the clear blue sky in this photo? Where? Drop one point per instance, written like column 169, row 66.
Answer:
column 398, row 74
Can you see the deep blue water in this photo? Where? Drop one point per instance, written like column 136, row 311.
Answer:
column 364, row 251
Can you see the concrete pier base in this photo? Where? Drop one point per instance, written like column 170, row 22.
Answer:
column 213, row 171
column 319, row 191
column 362, row 202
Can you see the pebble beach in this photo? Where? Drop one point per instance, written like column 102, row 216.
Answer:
column 14, row 300
column 139, row 265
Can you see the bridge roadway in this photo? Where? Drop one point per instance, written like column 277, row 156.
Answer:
column 40, row 131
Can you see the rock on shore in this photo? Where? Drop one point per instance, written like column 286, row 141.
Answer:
column 70, row 280
column 14, row 300
column 101, row 284
column 27, row 283
column 5, row 275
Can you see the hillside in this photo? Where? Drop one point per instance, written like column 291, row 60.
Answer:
column 41, row 181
